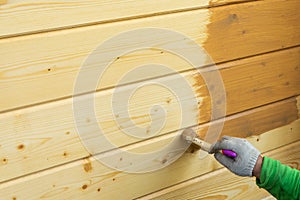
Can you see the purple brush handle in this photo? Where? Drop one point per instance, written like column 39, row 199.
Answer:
column 229, row 153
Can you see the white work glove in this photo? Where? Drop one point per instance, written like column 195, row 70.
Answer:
column 245, row 160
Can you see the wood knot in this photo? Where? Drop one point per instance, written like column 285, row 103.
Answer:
column 164, row 161
column 232, row 18
column 21, row 146
column 84, row 187
column 88, row 166
column 4, row 160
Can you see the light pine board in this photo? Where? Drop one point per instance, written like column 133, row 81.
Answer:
column 17, row 15
column 43, row 67
column 77, row 181
column 222, row 184
column 45, row 135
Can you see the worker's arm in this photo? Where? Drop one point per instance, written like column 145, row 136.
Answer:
column 281, row 181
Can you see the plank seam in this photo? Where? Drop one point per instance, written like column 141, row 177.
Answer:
column 205, row 176
column 176, row 11
column 206, row 67
column 290, row 98
column 138, row 143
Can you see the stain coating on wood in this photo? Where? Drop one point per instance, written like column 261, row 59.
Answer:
column 237, row 22
column 202, row 94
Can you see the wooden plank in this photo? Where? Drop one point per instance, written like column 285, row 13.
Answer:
column 225, row 22
column 17, row 15
column 74, row 181
column 47, row 64
column 46, row 135
column 252, row 122
column 3, row 2
column 222, row 184
column 38, row 152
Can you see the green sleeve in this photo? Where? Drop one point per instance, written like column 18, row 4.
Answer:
column 280, row 180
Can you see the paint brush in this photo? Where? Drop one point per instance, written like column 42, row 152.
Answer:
column 191, row 137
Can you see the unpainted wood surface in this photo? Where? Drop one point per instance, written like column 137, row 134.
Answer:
column 222, row 184
column 28, row 16
column 89, row 179
column 3, row 1
column 45, row 65
column 46, row 135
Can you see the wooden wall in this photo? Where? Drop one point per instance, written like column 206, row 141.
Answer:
column 256, row 45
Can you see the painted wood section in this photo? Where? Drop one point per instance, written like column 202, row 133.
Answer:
column 222, row 184
column 49, row 62
column 46, row 135
column 253, row 122
column 17, row 15
column 241, row 25
column 77, row 181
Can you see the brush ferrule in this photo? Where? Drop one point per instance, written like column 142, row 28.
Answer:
column 202, row 144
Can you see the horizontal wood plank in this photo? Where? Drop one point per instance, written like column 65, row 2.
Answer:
column 3, row 1
column 255, row 121
column 17, row 16
column 76, row 181
column 222, row 184
column 46, row 64
column 46, row 135
column 231, row 28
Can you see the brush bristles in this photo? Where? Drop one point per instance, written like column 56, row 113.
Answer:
column 188, row 135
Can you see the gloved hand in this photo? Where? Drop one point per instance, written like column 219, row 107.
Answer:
column 247, row 155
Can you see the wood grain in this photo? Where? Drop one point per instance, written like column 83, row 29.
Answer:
column 46, row 65
column 222, row 184
column 3, row 2
column 73, row 181
column 46, row 135
column 253, row 122
column 17, row 15
column 237, row 26
column 41, row 153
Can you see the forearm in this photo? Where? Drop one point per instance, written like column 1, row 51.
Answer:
column 257, row 168
column 280, row 180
